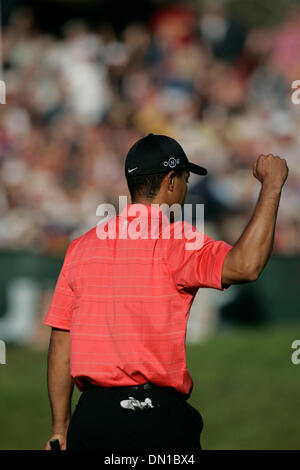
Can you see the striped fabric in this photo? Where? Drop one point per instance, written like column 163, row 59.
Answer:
column 126, row 301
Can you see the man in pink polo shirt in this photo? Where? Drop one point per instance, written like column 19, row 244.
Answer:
column 121, row 304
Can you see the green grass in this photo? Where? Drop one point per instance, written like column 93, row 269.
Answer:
column 245, row 387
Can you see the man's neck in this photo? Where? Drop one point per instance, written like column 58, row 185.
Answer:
column 156, row 201
column 148, row 202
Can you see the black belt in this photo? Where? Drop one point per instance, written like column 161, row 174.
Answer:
column 145, row 386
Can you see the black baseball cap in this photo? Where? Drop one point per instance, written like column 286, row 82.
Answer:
column 158, row 154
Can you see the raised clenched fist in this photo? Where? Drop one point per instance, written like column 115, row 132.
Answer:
column 270, row 169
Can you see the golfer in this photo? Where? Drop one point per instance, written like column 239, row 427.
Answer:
column 121, row 304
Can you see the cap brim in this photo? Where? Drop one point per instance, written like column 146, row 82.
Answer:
column 198, row 170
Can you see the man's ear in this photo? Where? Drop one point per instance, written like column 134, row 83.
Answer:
column 171, row 177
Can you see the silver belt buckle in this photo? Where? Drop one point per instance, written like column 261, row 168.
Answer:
column 136, row 405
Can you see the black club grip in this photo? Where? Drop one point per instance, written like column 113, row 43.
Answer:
column 54, row 444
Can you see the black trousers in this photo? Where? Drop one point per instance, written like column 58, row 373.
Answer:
column 99, row 422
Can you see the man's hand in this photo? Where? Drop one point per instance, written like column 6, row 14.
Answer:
column 62, row 441
column 271, row 170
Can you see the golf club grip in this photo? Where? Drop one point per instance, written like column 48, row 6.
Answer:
column 54, row 444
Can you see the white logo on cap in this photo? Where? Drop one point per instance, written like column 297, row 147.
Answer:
column 172, row 162
column 132, row 169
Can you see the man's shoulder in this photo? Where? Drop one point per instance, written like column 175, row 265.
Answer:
column 182, row 230
column 82, row 241
column 181, row 238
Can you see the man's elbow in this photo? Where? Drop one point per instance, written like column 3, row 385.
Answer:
column 252, row 271
column 241, row 276
column 237, row 270
column 252, row 275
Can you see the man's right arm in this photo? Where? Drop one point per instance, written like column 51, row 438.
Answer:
column 60, row 385
column 248, row 257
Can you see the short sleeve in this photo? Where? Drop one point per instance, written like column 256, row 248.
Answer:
column 59, row 314
column 199, row 267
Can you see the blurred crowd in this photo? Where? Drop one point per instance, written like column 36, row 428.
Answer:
column 76, row 103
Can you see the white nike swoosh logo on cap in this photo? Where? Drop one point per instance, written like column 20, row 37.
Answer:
column 132, row 169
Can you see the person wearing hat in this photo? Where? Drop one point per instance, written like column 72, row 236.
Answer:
column 121, row 304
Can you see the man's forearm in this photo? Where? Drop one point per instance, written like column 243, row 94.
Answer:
column 60, row 385
column 251, row 252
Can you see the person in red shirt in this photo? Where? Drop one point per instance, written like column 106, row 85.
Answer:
column 121, row 304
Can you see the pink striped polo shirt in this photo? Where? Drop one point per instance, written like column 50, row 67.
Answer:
column 126, row 299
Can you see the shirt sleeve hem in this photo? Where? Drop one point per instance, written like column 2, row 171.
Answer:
column 57, row 324
column 218, row 269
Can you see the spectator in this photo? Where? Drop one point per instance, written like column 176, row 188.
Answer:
column 76, row 104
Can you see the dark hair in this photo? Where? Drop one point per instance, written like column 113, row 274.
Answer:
column 147, row 185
